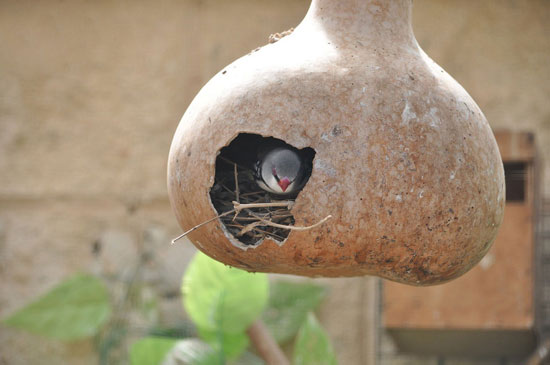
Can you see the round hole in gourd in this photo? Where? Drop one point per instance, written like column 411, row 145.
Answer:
column 235, row 180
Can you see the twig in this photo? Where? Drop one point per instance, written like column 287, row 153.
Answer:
column 249, row 227
column 225, row 159
column 202, row 224
column 245, row 219
column 294, row 228
column 226, row 188
column 239, row 206
column 270, row 234
column 266, row 345
column 236, row 174
column 251, row 193
column 262, row 221
column 236, row 181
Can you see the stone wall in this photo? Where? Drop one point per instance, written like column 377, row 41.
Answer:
column 92, row 91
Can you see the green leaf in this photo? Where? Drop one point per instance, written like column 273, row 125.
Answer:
column 75, row 309
column 217, row 296
column 288, row 306
column 230, row 344
column 192, row 351
column 180, row 329
column 150, row 350
column 313, row 345
column 247, row 358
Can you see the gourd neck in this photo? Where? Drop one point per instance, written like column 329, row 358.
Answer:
column 369, row 20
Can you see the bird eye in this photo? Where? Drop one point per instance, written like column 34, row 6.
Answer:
column 274, row 171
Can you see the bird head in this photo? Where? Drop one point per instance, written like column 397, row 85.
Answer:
column 280, row 171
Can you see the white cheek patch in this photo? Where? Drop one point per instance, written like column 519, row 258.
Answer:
column 272, row 186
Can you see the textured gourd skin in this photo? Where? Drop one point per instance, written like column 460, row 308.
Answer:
column 405, row 162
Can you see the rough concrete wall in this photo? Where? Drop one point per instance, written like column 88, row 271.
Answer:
column 91, row 93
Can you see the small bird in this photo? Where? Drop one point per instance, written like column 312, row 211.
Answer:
column 281, row 171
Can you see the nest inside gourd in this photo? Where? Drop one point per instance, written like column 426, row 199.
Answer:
column 249, row 213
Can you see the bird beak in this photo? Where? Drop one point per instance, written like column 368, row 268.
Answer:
column 284, row 183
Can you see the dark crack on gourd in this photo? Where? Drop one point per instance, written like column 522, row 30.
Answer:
column 242, row 152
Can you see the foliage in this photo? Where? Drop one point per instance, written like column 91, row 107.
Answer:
column 217, row 296
column 247, row 358
column 221, row 301
column 229, row 344
column 289, row 304
column 191, row 352
column 73, row 310
column 150, row 350
column 224, row 301
column 313, row 345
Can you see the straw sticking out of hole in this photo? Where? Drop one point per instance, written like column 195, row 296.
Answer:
column 238, row 207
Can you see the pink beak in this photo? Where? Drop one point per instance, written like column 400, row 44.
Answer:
column 284, row 183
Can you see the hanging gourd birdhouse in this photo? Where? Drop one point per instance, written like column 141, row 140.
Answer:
column 340, row 149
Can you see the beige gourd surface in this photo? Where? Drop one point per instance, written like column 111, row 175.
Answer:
column 405, row 161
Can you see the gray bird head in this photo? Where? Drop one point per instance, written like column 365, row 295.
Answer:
column 280, row 171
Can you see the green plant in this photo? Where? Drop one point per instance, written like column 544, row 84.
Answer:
column 222, row 302
column 75, row 309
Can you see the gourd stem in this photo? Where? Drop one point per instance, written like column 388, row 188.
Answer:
column 266, row 345
column 365, row 20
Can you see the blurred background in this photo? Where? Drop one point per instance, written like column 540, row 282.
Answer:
column 91, row 93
